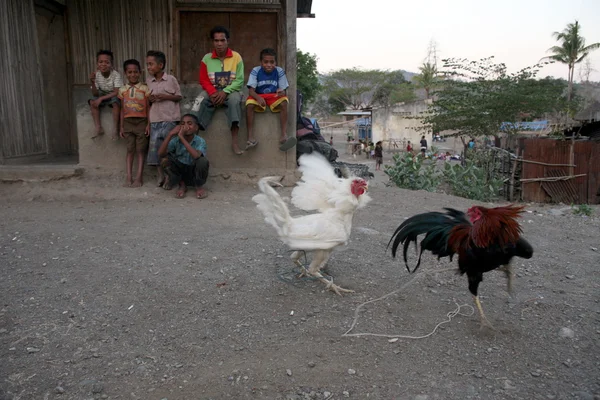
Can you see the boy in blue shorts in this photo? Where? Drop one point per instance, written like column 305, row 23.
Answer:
column 266, row 88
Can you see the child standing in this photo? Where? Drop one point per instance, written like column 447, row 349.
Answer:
column 165, row 95
column 105, row 87
column 134, row 120
column 266, row 87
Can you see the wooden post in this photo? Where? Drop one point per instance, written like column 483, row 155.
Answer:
column 512, row 176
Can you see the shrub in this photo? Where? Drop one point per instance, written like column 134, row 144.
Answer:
column 471, row 181
column 582, row 209
column 409, row 172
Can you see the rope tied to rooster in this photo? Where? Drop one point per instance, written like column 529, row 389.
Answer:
column 450, row 315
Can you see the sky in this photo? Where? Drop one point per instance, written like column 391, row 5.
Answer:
column 392, row 34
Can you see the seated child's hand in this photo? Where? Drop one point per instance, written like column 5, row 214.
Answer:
column 122, row 133
column 262, row 102
column 93, row 77
column 280, row 93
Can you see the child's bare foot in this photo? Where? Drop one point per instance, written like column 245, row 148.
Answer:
column 127, row 183
column 115, row 136
column 236, row 149
column 180, row 194
column 99, row 132
column 201, row 193
column 137, row 183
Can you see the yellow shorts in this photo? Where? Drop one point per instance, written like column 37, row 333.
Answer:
column 272, row 100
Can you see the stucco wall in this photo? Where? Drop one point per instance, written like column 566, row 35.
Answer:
column 399, row 122
column 103, row 155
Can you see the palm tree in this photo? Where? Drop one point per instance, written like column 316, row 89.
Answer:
column 572, row 50
column 428, row 77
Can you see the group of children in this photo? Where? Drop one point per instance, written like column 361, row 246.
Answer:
column 145, row 114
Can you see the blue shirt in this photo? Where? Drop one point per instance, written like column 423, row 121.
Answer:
column 178, row 150
column 264, row 82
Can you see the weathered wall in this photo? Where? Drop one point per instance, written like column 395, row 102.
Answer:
column 22, row 107
column 128, row 28
column 550, row 154
column 399, row 122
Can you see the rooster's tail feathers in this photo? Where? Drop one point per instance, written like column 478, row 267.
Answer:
column 435, row 226
column 272, row 206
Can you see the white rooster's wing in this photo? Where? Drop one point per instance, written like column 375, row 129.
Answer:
column 316, row 232
column 318, row 183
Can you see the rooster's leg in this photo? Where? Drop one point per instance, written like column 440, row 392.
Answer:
column 484, row 320
column 296, row 259
column 475, row 277
column 508, row 272
column 319, row 260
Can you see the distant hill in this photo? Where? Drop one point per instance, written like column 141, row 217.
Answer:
column 408, row 75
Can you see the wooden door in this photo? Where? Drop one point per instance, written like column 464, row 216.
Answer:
column 250, row 33
column 50, row 26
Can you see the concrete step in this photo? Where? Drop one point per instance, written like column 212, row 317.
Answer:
column 39, row 172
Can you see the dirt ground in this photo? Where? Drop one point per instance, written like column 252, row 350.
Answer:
column 114, row 293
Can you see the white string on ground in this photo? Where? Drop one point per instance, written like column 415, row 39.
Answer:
column 449, row 315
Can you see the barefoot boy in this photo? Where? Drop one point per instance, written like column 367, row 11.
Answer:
column 165, row 95
column 134, row 120
column 266, row 87
column 105, row 87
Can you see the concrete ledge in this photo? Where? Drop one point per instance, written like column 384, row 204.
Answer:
column 102, row 154
column 39, row 172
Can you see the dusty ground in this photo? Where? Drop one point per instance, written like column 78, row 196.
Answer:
column 117, row 293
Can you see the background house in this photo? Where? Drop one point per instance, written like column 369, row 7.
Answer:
column 400, row 123
column 49, row 49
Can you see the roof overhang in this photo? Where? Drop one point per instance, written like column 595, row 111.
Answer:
column 303, row 9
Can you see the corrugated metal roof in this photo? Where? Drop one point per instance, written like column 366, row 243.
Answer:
column 354, row 113
column 525, row 126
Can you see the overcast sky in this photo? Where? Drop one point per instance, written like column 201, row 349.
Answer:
column 391, row 34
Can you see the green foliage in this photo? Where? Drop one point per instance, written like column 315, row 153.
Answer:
column 358, row 89
column 476, row 97
column 471, row 181
column 409, row 172
column 308, row 77
column 476, row 180
column 582, row 209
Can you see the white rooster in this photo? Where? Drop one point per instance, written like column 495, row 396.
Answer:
column 336, row 199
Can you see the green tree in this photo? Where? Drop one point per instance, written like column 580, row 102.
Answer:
column 307, row 76
column 428, row 77
column 572, row 50
column 359, row 89
column 477, row 97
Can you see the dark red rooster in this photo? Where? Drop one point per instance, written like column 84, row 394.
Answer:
column 489, row 239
